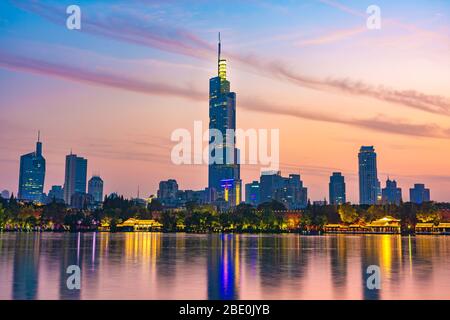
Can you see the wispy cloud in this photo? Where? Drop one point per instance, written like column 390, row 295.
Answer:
column 94, row 77
column 379, row 123
column 332, row 36
column 135, row 28
column 98, row 77
column 410, row 98
column 406, row 26
column 343, row 8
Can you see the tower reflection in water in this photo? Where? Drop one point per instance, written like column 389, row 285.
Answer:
column 26, row 267
column 223, row 267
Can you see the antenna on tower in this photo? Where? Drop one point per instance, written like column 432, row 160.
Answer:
column 39, row 136
column 219, row 47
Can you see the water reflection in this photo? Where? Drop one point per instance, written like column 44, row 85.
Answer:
column 26, row 268
column 222, row 266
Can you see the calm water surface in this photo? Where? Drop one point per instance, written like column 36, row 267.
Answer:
column 188, row 266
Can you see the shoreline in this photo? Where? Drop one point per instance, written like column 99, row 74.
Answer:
column 225, row 232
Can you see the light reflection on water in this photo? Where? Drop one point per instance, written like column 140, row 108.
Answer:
column 223, row 266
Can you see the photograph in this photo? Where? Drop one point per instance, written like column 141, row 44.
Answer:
column 211, row 159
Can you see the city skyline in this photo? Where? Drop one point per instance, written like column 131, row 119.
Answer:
column 409, row 150
column 290, row 190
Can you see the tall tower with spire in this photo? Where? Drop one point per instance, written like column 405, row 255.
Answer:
column 32, row 174
column 224, row 169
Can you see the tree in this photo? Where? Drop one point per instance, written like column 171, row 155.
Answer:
column 428, row 213
column 169, row 221
column 54, row 212
column 273, row 205
column 373, row 213
column 3, row 216
column 155, row 205
column 247, row 216
column 347, row 213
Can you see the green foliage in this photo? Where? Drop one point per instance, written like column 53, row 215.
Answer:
column 3, row 216
column 347, row 213
column 428, row 212
column 272, row 205
column 269, row 217
column 54, row 212
column 169, row 220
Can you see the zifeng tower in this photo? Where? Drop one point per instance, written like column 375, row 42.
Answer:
column 224, row 169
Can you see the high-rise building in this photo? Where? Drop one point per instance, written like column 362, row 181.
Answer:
column 391, row 194
column 95, row 188
column 32, row 175
column 56, row 193
column 168, row 189
column 224, row 168
column 167, row 192
column 419, row 194
column 75, row 177
column 320, row 203
column 81, row 200
column 252, row 193
column 337, row 189
column 369, row 185
column 5, row 194
column 288, row 190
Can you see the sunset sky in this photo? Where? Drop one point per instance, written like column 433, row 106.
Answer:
column 115, row 90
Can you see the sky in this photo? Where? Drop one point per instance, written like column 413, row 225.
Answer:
column 115, row 90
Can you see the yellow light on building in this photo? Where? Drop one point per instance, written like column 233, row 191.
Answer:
column 238, row 189
column 226, row 194
column 223, row 69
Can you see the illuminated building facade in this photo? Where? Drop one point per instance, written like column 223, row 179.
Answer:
column 224, row 168
column 369, row 186
column 337, row 189
column 253, row 193
column 32, row 175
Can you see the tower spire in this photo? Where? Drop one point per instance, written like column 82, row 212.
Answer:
column 219, row 51
column 39, row 136
column 221, row 63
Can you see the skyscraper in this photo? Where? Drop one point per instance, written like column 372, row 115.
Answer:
column 75, row 177
column 95, row 188
column 252, row 193
column 168, row 189
column 337, row 189
column 224, row 168
column 32, row 174
column 270, row 181
column 391, row 194
column 167, row 192
column 419, row 194
column 288, row 190
column 56, row 193
column 369, row 186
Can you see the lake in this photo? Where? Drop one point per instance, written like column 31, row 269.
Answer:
column 222, row 266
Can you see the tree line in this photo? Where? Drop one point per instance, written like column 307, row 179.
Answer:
column 267, row 217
